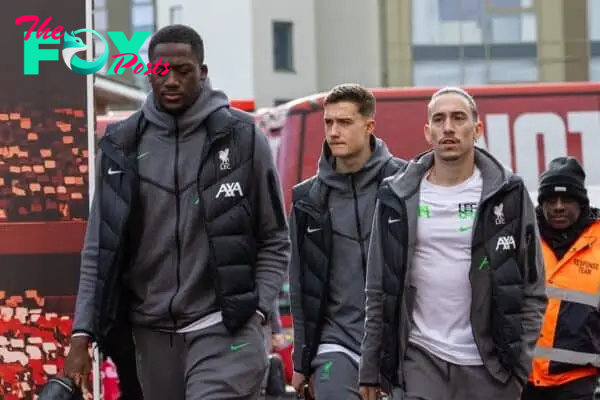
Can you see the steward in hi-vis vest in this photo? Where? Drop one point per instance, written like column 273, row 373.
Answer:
column 567, row 356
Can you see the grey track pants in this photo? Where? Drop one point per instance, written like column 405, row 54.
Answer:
column 336, row 377
column 430, row 378
column 209, row 364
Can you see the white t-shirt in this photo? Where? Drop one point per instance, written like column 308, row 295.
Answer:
column 440, row 271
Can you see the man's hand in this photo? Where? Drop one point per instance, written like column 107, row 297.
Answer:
column 304, row 387
column 298, row 381
column 369, row 392
column 78, row 364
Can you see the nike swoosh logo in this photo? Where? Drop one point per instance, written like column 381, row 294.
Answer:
column 464, row 228
column 392, row 221
column 311, row 230
column 238, row 347
column 114, row 172
column 143, row 155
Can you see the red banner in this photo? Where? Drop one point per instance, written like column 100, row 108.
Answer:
column 43, row 200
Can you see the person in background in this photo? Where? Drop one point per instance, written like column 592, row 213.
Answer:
column 567, row 356
column 187, row 243
column 330, row 228
column 455, row 278
column 276, row 334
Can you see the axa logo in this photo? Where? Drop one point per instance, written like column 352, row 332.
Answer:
column 230, row 189
column 505, row 243
column 36, row 49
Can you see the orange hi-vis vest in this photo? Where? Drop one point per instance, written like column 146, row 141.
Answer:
column 569, row 344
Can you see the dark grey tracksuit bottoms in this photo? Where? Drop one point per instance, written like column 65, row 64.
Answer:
column 336, row 377
column 209, row 364
column 430, row 378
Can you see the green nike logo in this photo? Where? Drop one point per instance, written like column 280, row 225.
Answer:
column 483, row 263
column 464, row 228
column 326, row 371
column 238, row 347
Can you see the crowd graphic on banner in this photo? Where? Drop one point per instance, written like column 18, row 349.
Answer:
column 33, row 344
column 44, row 167
column 43, row 178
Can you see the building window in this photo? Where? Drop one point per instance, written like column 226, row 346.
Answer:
column 100, row 20
column 100, row 25
column 473, row 72
column 595, row 69
column 512, row 71
column 142, row 15
column 283, row 46
column 100, row 17
column 143, row 28
column 98, row 47
column 176, row 14
column 143, row 19
column 444, row 22
column 593, row 12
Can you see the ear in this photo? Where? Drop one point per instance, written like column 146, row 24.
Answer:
column 427, row 134
column 478, row 130
column 370, row 126
column 203, row 72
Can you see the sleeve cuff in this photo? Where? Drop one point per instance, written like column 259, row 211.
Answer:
column 82, row 335
column 369, row 384
column 81, row 332
column 263, row 318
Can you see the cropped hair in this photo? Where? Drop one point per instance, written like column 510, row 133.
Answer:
column 353, row 93
column 455, row 90
column 178, row 34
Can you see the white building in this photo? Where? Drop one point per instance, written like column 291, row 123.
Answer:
column 273, row 51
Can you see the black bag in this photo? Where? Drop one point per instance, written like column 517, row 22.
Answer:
column 60, row 388
column 276, row 376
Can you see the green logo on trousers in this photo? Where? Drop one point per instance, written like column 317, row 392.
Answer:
column 326, row 370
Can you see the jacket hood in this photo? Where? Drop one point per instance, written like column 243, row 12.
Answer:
column 363, row 177
column 493, row 173
column 208, row 102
